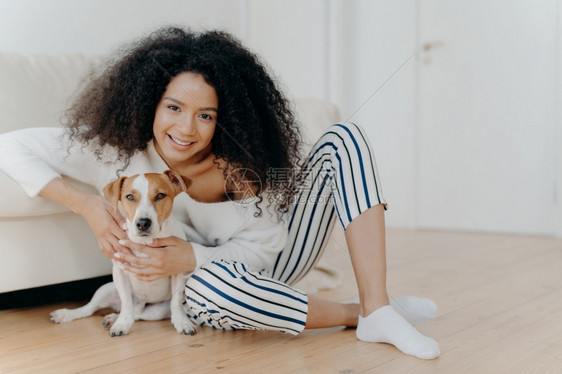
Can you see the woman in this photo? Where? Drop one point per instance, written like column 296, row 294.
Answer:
column 203, row 105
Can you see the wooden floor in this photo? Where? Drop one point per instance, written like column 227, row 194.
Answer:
column 500, row 300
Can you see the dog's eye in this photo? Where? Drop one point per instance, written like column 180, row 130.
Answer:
column 130, row 197
column 160, row 196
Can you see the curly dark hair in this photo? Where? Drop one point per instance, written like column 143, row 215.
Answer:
column 256, row 128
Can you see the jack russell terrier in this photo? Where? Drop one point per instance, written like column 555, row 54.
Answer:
column 147, row 201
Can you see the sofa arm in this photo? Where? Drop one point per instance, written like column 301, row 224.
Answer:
column 14, row 202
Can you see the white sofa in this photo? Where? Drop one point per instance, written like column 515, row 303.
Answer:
column 42, row 242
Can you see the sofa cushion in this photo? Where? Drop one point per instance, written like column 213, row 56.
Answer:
column 35, row 88
column 14, row 203
column 315, row 116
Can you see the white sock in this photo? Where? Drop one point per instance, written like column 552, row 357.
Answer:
column 416, row 310
column 386, row 325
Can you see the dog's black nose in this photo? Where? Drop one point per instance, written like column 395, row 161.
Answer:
column 143, row 224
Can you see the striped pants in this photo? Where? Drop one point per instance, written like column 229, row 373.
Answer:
column 340, row 179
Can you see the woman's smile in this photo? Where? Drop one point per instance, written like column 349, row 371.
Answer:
column 185, row 120
column 180, row 143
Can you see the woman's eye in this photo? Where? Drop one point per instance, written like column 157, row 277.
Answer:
column 206, row 116
column 160, row 196
column 174, row 108
column 130, row 197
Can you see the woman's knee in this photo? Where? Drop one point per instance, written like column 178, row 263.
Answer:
column 347, row 134
column 204, row 296
column 345, row 127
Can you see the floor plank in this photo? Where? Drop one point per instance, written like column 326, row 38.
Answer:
column 500, row 299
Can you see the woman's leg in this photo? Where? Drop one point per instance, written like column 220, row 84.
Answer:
column 366, row 241
column 339, row 180
column 341, row 175
column 378, row 321
column 326, row 313
column 228, row 296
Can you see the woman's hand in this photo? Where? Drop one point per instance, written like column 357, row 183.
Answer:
column 166, row 257
column 107, row 224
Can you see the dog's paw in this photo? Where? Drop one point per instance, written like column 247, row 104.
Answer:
column 184, row 326
column 119, row 329
column 61, row 316
column 122, row 326
column 109, row 319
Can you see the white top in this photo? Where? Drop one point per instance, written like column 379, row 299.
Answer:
column 229, row 230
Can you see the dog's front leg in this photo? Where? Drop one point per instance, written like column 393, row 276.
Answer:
column 125, row 321
column 180, row 320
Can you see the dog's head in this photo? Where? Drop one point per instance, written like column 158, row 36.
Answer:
column 147, row 201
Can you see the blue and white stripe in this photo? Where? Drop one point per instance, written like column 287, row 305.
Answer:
column 226, row 295
column 340, row 179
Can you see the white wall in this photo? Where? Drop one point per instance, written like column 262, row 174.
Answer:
column 488, row 116
column 559, row 126
column 291, row 36
column 99, row 26
column 378, row 92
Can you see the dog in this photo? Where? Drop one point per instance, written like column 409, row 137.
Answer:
column 147, row 201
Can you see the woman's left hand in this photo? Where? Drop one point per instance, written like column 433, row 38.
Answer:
column 166, row 257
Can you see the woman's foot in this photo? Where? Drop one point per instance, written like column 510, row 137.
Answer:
column 386, row 325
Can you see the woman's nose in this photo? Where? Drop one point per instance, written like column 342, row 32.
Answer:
column 187, row 124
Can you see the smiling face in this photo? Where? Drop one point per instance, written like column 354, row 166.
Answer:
column 185, row 120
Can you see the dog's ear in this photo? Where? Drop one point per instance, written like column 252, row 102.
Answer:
column 112, row 191
column 180, row 183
